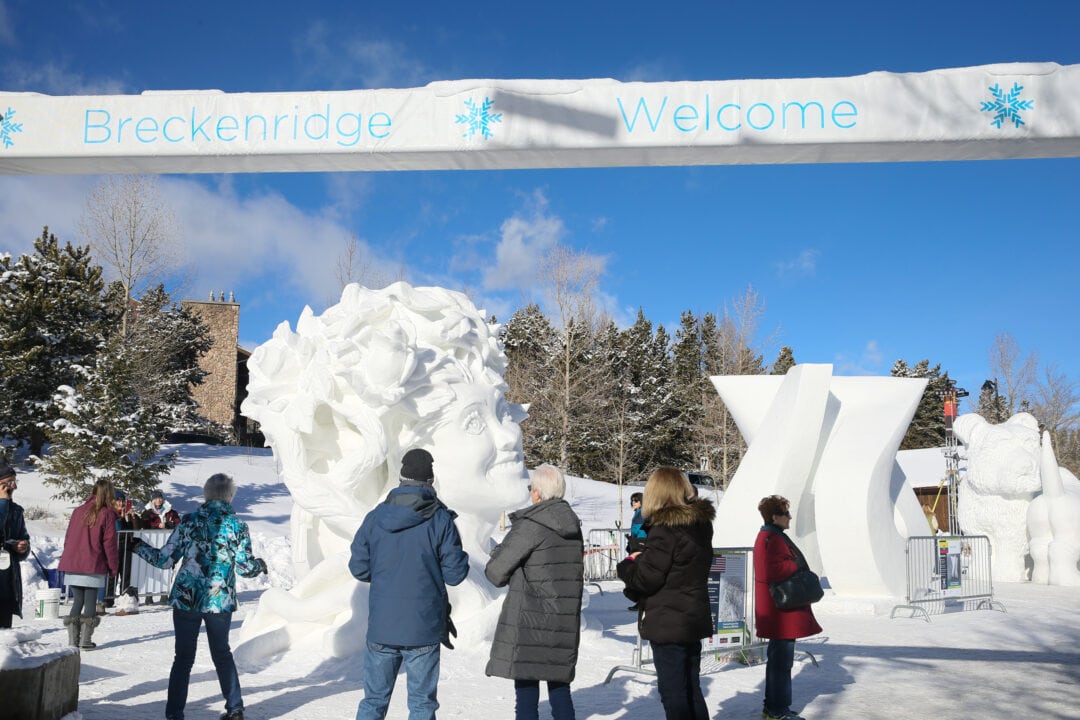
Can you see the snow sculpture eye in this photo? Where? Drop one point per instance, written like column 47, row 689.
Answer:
column 473, row 423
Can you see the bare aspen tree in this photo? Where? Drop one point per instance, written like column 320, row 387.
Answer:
column 1013, row 372
column 1056, row 401
column 570, row 280
column 133, row 232
column 738, row 351
column 356, row 265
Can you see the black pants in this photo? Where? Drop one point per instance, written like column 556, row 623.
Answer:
column 678, row 668
column 7, row 611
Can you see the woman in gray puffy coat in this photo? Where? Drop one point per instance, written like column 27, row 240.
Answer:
column 539, row 627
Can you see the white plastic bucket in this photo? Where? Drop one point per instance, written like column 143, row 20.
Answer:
column 48, row 604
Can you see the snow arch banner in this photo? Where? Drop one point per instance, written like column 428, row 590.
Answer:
column 1021, row 110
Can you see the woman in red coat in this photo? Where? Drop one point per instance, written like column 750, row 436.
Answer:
column 775, row 561
column 90, row 557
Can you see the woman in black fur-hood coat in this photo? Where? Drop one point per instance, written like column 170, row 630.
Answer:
column 669, row 581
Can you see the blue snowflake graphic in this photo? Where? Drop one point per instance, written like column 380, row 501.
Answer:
column 478, row 119
column 1006, row 106
column 8, row 128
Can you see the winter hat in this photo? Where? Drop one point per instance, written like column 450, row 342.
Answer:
column 157, row 494
column 120, row 495
column 6, row 471
column 416, row 465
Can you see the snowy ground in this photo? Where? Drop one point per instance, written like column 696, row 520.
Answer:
column 984, row 664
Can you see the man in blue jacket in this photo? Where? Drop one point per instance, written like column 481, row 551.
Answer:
column 409, row 549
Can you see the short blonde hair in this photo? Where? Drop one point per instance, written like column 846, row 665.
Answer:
column 666, row 486
column 548, row 481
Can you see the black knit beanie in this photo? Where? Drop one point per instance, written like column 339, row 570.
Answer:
column 416, row 465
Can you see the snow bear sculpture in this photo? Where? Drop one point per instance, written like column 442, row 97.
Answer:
column 1002, row 478
column 340, row 401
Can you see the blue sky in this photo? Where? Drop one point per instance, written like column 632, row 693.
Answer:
column 857, row 265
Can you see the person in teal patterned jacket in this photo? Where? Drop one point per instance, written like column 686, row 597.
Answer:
column 215, row 546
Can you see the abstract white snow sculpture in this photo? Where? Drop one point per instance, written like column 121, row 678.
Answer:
column 828, row 444
column 1002, row 478
column 1053, row 523
column 340, row 401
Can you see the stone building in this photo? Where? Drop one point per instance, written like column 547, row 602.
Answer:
column 225, row 385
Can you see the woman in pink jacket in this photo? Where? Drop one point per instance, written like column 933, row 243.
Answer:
column 90, row 557
column 775, row 561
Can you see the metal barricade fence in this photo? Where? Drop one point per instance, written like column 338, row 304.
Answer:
column 136, row 572
column 604, row 548
column 948, row 571
column 731, row 596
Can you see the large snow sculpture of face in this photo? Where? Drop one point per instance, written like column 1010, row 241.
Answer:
column 383, row 371
column 477, row 450
column 341, row 400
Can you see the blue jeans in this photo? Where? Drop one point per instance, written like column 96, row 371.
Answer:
column 527, row 700
column 780, row 656
column 381, row 665
column 678, row 668
column 186, row 627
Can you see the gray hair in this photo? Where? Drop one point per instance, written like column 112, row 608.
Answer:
column 219, row 487
column 548, row 481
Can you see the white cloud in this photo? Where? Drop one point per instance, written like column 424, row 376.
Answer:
column 524, row 239
column 7, row 31
column 649, row 71
column 228, row 241
column 55, row 79
column 347, row 193
column 803, row 265
column 27, row 203
column 357, row 62
column 868, row 361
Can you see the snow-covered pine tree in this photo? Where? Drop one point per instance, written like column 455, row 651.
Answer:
column 688, row 373
column 584, row 381
column 104, row 431
column 785, row 360
column 164, row 343
column 927, row 428
column 660, row 429
column 992, row 404
column 648, row 417
column 607, row 453
column 52, row 319
column 529, row 343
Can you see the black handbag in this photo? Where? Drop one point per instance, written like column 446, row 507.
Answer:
column 801, row 589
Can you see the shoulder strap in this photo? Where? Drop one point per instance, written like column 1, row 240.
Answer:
column 800, row 560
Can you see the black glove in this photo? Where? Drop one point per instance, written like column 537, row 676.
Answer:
column 450, row 629
column 134, row 542
column 262, row 566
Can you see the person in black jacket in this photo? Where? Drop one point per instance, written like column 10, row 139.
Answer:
column 668, row 579
column 15, row 549
column 539, row 626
